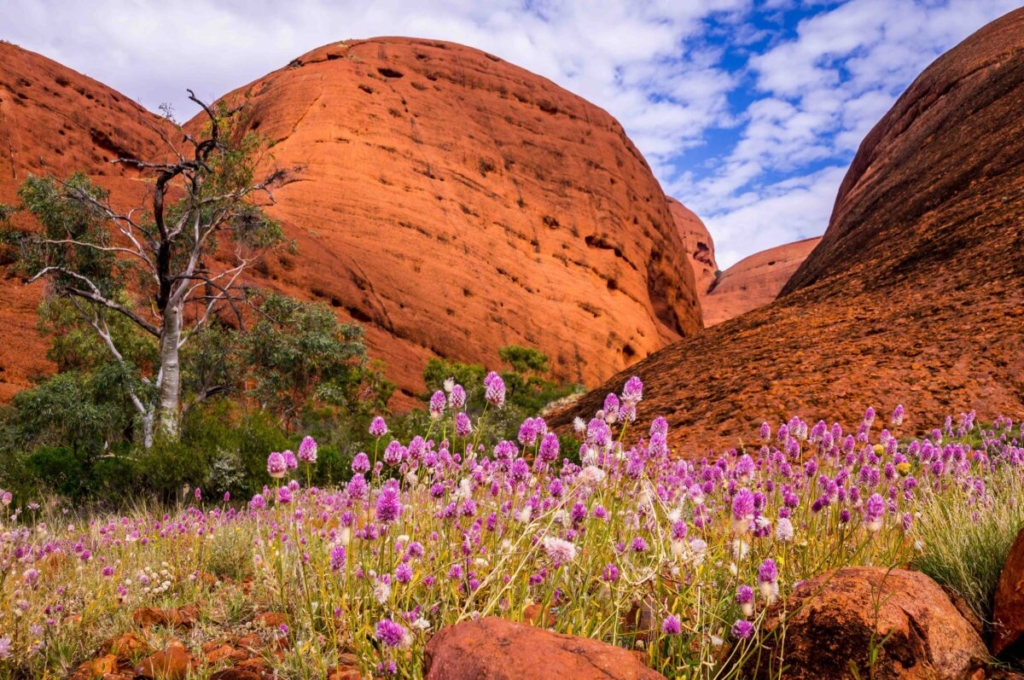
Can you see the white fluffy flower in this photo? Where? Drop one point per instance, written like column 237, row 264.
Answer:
column 558, row 550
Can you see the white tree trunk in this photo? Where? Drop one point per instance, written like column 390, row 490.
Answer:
column 169, row 398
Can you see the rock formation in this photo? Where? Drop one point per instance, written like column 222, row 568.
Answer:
column 753, row 282
column 454, row 203
column 450, row 202
column 56, row 121
column 699, row 246
column 831, row 621
column 915, row 295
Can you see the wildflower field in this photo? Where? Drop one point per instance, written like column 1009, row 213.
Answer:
column 631, row 546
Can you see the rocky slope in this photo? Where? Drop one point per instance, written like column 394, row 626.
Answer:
column 450, row 202
column 753, row 281
column 56, row 121
column 914, row 295
column 455, row 203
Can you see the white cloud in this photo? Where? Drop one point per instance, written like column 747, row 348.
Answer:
column 659, row 66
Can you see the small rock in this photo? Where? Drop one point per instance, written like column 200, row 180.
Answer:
column 177, row 617
column 173, row 663
column 494, row 648
column 126, row 646
column 271, row 619
column 831, row 620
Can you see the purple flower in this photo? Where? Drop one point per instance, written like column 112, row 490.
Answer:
column 437, row 403
column 678, row 530
column 611, row 408
column 671, row 625
column 389, row 503
column 874, row 508
column 768, row 572
column 766, row 431
column 276, row 465
column 378, row 428
column 390, row 633
column 610, row 573
column 495, row 390
column 290, row 460
column 633, row 392
column 307, row 450
column 463, row 425
column 5, row 647
column 284, row 495
column 403, row 573
column 338, row 557
column 639, row 545
column 744, row 595
column 457, row 399
column 742, row 629
column 549, row 448
column 361, row 463
column 743, row 505
column 199, row 494
column 258, row 502
column 393, row 453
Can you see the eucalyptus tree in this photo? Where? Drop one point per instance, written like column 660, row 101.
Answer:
column 169, row 267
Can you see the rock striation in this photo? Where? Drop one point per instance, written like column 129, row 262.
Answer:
column 915, row 294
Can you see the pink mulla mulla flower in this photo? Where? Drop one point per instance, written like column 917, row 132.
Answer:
column 393, row 453
column 494, row 390
column 633, row 391
column 277, row 467
column 766, row 431
column 463, row 425
column 611, row 408
column 361, row 463
column 290, row 460
column 457, row 398
column 378, row 428
column 307, row 450
column 437, row 404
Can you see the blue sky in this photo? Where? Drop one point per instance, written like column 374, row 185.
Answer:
column 749, row 111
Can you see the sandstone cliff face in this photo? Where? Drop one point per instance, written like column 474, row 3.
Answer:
column 753, row 282
column 450, row 202
column 915, row 294
column 56, row 121
column 454, row 203
column 699, row 246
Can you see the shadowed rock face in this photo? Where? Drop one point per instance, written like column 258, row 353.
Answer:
column 56, row 121
column 454, row 203
column 915, row 295
column 699, row 246
column 753, row 282
column 451, row 202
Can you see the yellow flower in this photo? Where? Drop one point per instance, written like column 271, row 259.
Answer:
column 879, row 449
column 903, row 469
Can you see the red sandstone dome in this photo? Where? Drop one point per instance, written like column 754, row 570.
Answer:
column 454, row 203
column 753, row 282
column 451, row 202
column 915, row 294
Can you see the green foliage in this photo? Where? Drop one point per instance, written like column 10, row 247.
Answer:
column 966, row 544
column 298, row 354
column 528, row 391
